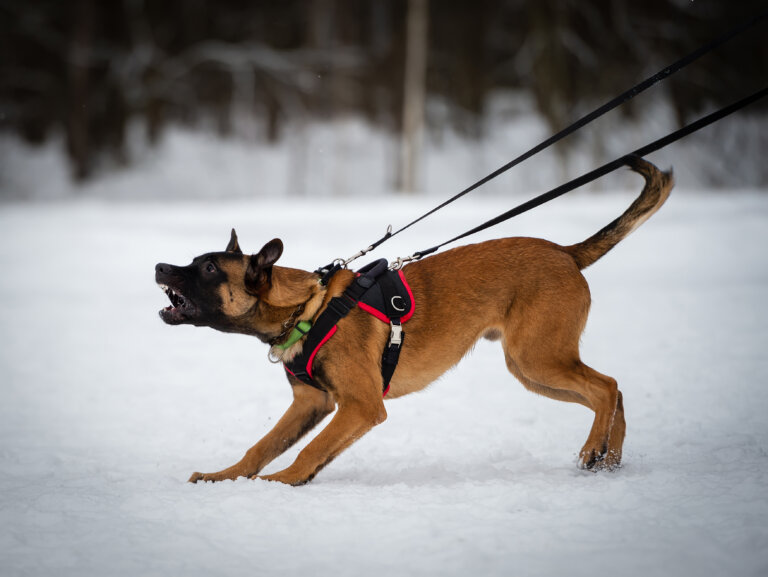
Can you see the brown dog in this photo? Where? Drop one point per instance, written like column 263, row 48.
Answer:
column 526, row 292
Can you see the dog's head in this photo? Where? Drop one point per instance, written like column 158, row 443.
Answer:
column 234, row 292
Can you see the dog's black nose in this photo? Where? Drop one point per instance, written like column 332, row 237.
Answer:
column 163, row 268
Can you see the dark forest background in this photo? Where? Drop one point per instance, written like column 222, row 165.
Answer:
column 88, row 69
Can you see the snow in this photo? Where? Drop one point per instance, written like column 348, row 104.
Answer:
column 106, row 411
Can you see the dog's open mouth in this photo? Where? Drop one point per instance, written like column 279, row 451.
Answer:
column 180, row 306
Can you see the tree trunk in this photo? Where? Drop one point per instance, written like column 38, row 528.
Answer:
column 78, row 65
column 414, row 94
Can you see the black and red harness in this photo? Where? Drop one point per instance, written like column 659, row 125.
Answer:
column 383, row 293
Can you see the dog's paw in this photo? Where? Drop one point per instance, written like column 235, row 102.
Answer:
column 589, row 460
column 593, row 460
column 612, row 460
column 284, row 477
column 196, row 477
column 207, row 477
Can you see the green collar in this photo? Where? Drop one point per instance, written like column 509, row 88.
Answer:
column 301, row 329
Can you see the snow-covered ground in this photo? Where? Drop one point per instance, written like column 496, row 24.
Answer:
column 106, row 411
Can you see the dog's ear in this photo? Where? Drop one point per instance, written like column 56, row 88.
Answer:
column 259, row 270
column 233, row 245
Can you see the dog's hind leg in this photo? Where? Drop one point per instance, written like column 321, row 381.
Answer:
column 575, row 382
column 309, row 407
column 581, row 384
column 541, row 344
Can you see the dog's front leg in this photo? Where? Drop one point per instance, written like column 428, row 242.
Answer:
column 309, row 407
column 353, row 419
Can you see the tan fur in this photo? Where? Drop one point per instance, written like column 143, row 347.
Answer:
column 527, row 293
column 234, row 298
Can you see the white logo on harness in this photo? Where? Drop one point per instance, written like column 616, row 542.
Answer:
column 395, row 306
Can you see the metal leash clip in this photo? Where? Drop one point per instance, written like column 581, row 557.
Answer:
column 365, row 251
column 400, row 262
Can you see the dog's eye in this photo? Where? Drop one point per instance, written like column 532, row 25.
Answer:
column 210, row 267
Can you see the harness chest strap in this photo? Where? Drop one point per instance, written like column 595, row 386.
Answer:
column 379, row 292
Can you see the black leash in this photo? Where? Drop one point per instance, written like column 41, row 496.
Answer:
column 607, row 107
column 596, row 173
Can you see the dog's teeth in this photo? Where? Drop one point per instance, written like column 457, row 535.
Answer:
column 177, row 300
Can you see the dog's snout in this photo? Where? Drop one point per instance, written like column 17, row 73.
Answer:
column 164, row 272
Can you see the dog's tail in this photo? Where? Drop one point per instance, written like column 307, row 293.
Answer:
column 658, row 185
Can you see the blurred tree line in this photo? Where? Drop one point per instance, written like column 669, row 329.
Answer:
column 89, row 68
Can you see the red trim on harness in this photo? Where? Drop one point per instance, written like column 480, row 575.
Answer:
column 370, row 310
column 410, row 294
column 317, row 348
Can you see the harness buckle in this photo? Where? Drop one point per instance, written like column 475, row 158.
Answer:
column 396, row 334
